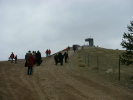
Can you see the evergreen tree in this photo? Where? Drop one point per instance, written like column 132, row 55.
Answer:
column 127, row 42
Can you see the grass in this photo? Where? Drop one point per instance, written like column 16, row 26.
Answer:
column 106, row 59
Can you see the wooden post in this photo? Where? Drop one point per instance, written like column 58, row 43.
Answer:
column 88, row 60
column 83, row 53
column 85, row 57
column 119, row 69
column 97, row 64
column 82, row 47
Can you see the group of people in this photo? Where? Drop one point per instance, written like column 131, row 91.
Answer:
column 48, row 52
column 32, row 59
column 12, row 56
column 59, row 58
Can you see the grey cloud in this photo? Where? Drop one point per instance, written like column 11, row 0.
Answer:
column 40, row 25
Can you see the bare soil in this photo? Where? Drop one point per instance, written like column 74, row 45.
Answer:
column 72, row 81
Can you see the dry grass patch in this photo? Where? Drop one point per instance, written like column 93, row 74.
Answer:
column 80, row 60
column 94, row 67
column 109, row 59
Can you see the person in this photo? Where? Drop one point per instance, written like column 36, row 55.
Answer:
column 60, row 57
column 46, row 53
column 67, row 50
column 74, row 48
column 38, row 58
column 34, row 55
column 49, row 52
column 26, row 56
column 56, row 59
column 30, row 62
column 15, row 59
column 66, row 56
column 12, row 56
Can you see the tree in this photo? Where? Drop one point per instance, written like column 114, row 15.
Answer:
column 127, row 42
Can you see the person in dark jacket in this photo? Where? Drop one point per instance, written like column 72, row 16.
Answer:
column 38, row 58
column 15, row 59
column 26, row 56
column 56, row 59
column 60, row 57
column 46, row 53
column 34, row 55
column 74, row 48
column 30, row 63
column 66, row 56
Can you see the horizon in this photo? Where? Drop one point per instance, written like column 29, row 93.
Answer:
column 44, row 54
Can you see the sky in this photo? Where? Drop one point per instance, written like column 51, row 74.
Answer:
column 56, row 24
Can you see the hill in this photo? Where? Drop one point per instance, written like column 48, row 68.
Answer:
column 72, row 81
column 101, row 59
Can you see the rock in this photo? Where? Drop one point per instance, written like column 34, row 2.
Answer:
column 109, row 71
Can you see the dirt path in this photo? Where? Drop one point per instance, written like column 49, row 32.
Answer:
column 51, row 82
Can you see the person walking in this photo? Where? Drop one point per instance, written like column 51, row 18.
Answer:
column 34, row 55
column 46, row 53
column 15, row 59
column 74, row 48
column 67, row 50
column 60, row 57
column 49, row 52
column 26, row 56
column 12, row 56
column 38, row 58
column 66, row 57
column 30, row 63
column 56, row 59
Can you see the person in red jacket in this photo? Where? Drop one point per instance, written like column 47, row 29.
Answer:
column 12, row 56
column 30, row 63
column 49, row 52
column 67, row 50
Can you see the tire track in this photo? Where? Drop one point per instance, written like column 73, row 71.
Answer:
column 10, row 89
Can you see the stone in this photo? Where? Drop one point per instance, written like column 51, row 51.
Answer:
column 109, row 71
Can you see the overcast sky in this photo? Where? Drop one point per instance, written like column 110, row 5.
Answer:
column 55, row 24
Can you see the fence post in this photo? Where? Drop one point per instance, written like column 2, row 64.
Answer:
column 85, row 57
column 88, row 60
column 83, row 52
column 119, row 69
column 97, row 64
